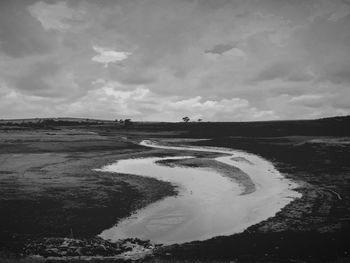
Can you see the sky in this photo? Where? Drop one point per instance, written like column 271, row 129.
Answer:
column 161, row 60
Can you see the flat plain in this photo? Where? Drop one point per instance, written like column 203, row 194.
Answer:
column 49, row 187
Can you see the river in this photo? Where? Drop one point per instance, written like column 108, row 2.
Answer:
column 208, row 204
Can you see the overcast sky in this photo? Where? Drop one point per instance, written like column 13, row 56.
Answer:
column 219, row 60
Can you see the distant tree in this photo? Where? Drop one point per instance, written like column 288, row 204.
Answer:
column 186, row 119
column 199, row 120
column 127, row 122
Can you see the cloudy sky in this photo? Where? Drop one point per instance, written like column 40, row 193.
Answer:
column 223, row 60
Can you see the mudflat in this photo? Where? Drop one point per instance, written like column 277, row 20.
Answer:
column 49, row 187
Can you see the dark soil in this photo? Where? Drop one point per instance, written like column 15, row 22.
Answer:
column 314, row 228
column 48, row 187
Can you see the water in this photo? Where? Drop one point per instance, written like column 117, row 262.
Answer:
column 208, row 205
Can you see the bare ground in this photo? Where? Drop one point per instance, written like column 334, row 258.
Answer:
column 48, row 187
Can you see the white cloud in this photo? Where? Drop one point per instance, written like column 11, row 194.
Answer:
column 120, row 95
column 233, row 53
column 233, row 109
column 338, row 14
column 107, row 55
column 236, row 52
column 307, row 97
column 55, row 16
column 309, row 100
column 141, row 103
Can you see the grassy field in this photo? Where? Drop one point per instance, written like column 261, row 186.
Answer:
column 48, row 187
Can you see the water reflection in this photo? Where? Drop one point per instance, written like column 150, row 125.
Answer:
column 208, row 203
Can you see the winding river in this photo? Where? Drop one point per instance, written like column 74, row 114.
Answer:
column 209, row 204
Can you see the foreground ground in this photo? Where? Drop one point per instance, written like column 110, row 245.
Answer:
column 48, row 188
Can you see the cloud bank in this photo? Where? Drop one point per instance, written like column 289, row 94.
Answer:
column 161, row 60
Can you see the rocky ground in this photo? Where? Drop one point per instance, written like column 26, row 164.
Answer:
column 65, row 249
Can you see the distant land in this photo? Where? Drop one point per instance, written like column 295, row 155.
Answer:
column 81, row 119
column 64, row 119
column 330, row 126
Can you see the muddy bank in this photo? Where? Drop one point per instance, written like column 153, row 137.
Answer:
column 201, row 162
column 70, row 249
column 323, row 170
column 314, row 228
column 48, row 187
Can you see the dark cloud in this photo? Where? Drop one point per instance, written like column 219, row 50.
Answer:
column 48, row 79
column 20, row 33
column 336, row 72
column 260, row 53
column 35, row 80
column 323, row 41
column 275, row 71
column 220, row 49
column 139, row 75
column 284, row 71
column 214, row 4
